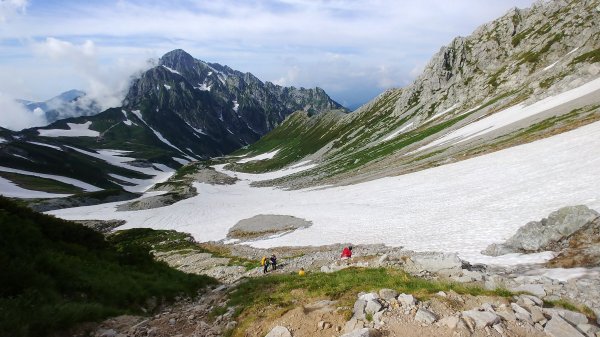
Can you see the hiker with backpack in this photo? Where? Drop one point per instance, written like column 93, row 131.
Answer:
column 265, row 263
column 346, row 253
column 273, row 261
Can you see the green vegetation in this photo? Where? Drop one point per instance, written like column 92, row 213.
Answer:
column 258, row 297
column 40, row 184
column 56, row 273
column 591, row 57
column 156, row 240
column 493, row 81
column 584, row 309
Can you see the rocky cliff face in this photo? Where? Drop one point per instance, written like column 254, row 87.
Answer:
column 548, row 48
column 502, row 68
column 216, row 101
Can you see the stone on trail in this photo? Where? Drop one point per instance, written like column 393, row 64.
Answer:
column 482, row 318
column 572, row 317
column 388, row 294
column 451, row 322
column 558, row 327
column 364, row 332
column 279, row 331
column 373, row 306
column 406, row 300
column 425, row 316
column 359, row 309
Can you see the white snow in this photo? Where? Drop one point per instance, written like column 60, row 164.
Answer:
column 168, row 87
column 200, row 131
column 572, row 51
column 75, row 130
column 172, row 70
column 397, row 132
column 204, row 87
column 511, row 115
column 46, row 145
column 440, row 114
column 550, row 66
column 66, row 180
column 22, row 157
column 2, row 140
column 156, row 133
column 181, row 160
column 127, row 121
column 263, row 156
column 9, row 189
column 236, row 106
column 116, row 158
column 460, row 207
column 302, row 163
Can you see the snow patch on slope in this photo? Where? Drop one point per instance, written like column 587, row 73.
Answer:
column 75, row 130
column 66, row 180
column 46, row 145
column 511, row 115
column 11, row 190
column 263, row 156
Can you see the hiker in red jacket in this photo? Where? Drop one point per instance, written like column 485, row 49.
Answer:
column 346, row 253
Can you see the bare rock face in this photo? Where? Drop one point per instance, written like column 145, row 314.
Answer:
column 546, row 234
column 266, row 224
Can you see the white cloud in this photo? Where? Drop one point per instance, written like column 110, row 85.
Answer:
column 14, row 116
column 105, row 84
column 261, row 36
column 10, row 8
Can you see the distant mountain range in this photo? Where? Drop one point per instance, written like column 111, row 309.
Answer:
column 72, row 103
column 182, row 109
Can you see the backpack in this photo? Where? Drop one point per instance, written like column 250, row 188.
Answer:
column 263, row 261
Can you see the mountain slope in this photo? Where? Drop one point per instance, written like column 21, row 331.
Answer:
column 477, row 94
column 180, row 110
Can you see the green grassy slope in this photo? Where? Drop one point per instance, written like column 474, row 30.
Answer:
column 56, row 273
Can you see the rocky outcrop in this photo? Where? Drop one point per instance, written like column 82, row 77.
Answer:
column 456, row 314
column 550, row 233
column 264, row 225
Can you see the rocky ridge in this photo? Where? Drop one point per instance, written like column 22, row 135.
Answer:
column 523, row 57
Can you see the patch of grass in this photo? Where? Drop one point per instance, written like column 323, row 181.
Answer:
column 584, row 309
column 257, row 297
column 591, row 57
column 157, row 240
column 56, row 273
column 216, row 312
column 40, row 184
column 219, row 251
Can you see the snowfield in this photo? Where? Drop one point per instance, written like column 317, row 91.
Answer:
column 460, row 207
column 9, row 189
column 75, row 130
column 512, row 115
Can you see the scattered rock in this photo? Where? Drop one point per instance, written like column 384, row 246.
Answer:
column 425, row 316
column 572, row 317
column 279, row 331
column 482, row 318
column 388, row 294
column 558, row 327
column 451, row 322
column 364, row 332
column 373, row 306
column 407, row 300
column 322, row 325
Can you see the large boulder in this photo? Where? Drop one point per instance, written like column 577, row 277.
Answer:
column 544, row 235
column 558, row 327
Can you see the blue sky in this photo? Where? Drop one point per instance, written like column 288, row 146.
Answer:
column 354, row 49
